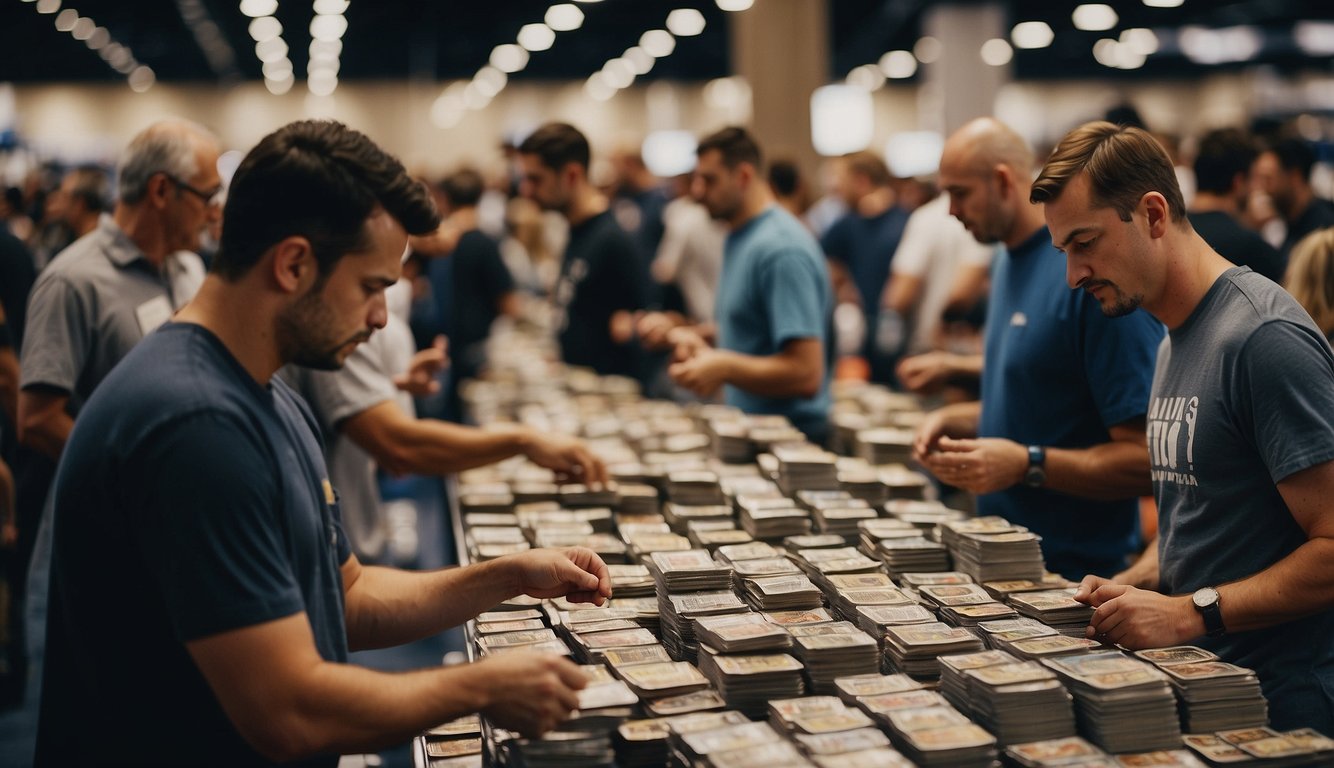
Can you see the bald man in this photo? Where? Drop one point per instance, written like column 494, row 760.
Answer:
column 1057, row 442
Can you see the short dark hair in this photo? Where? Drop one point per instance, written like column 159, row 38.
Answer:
column 92, row 186
column 463, row 188
column 1295, row 154
column 870, row 165
column 320, row 180
column 1223, row 154
column 784, row 177
column 1123, row 164
column 557, row 144
column 736, row 145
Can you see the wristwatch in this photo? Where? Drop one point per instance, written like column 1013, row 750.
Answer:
column 1036, row 474
column 1206, row 601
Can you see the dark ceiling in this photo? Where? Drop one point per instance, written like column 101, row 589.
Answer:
column 448, row 39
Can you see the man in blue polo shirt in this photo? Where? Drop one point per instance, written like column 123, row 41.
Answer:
column 774, row 298
column 1057, row 442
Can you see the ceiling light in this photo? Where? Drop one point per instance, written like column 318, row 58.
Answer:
column 1031, row 34
column 1094, row 17
column 1315, row 38
column 325, row 49
column 1217, row 46
column 279, row 87
column 639, row 59
column 256, row 8
column 618, row 73
column 1164, row 3
column 685, row 22
column 448, row 108
column 265, row 28
column 277, row 70
column 331, row 7
column 66, row 20
column 142, row 78
column 490, row 80
column 868, row 77
column 328, row 27
column 48, row 6
column 99, row 39
column 910, row 154
column 598, row 88
column 669, row 153
column 997, row 52
column 564, row 17
column 726, row 92
column 536, row 37
column 474, row 97
column 271, row 50
column 898, row 64
column 1104, row 51
column 735, row 6
column 928, row 50
column 658, row 43
column 508, row 57
column 842, row 119
column 83, row 28
column 322, row 68
column 1127, row 57
column 1142, row 41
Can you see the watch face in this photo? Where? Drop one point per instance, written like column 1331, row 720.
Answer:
column 1203, row 598
column 1034, row 476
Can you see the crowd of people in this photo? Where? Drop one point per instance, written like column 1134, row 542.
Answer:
column 203, row 378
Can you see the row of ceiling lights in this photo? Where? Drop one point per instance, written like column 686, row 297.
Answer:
column 620, row 71
column 326, row 45
column 119, row 57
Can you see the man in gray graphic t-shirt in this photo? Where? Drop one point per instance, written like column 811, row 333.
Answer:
column 1240, row 431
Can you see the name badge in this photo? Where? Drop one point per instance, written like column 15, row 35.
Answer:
column 153, row 313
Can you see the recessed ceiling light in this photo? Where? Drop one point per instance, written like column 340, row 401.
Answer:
column 1031, row 34
column 685, row 22
column 536, row 37
column 996, row 52
column 1094, row 17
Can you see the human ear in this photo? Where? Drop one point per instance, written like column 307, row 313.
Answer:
column 294, row 264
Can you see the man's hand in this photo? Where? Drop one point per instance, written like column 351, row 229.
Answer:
column 568, row 456
column 654, row 328
column 927, row 372
column 1137, row 618
column 703, row 372
column 419, row 379
column 982, row 465
column 530, row 692
column 686, row 343
column 576, row 574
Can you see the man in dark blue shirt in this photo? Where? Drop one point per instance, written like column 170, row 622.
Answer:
column 204, row 598
column 1060, row 445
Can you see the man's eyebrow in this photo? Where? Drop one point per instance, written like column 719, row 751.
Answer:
column 1074, row 234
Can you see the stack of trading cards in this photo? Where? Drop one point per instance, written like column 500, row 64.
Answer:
column 638, row 499
column 880, row 705
column 831, row 651
column 847, row 597
column 885, row 446
column 1049, row 646
column 753, row 550
column 926, row 515
column 784, row 713
column 741, row 633
column 619, row 658
column 644, row 610
column 731, row 442
column 863, row 483
column 714, row 536
column 791, row 619
column 1216, row 696
column 695, row 746
column 642, row 544
column 830, row 743
column 795, row 544
column 692, row 570
column 679, row 611
column 1123, row 704
column 579, row 495
column 534, row 491
column 561, row 749
column 915, row 649
column 748, row 682
column 876, row 619
column 996, row 556
column 775, row 520
column 529, row 640
column 590, row 642
column 903, row 483
column 603, row 704
column 941, row 736
column 942, row 595
column 871, row 532
column 662, row 678
column 912, row 554
column 1262, row 746
column 1071, row 750
column 641, row 743
column 678, row 515
column 762, row 568
column 1001, row 590
column 694, row 488
column 493, row 622
column 1056, row 608
column 933, row 578
column 456, row 744
column 1019, row 702
column 996, row 634
column 631, row 581
column 972, row 615
column 805, row 467
column 820, row 563
column 952, row 667
column 855, row 687
column 705, row 700
column 778, row 754
column 842, row 520
column 781, row 593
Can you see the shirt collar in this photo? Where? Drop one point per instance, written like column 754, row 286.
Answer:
column 120, row 249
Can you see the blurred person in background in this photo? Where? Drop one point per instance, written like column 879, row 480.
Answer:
column 1282, row 171
column 72, row 210
column 789, row 187
column 1222, row 179
column 1310, row 278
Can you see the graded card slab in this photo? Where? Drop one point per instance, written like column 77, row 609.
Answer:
column 698, row 701
column 1179, row 654
column 641, row 654
column 876, row 685
column 663, row 675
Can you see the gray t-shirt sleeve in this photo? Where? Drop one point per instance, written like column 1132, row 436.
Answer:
column 359, row 385
column 57, row 337
column 1291, row 422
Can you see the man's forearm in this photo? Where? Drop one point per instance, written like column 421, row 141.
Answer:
column 404, row 444
column 387, row 607
column 46, row 435
column 1299, row 585
column 773, row 375
column 1106, row 472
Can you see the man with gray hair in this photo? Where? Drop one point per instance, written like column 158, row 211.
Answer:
column 100, row 296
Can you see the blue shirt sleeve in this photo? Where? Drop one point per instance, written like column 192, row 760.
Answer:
column 207, row 522
column 1119, row 355
column 1284, row 396
column 835, row 242
column 791, row 284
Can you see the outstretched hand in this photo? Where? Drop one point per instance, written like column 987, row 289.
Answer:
column 577, row 574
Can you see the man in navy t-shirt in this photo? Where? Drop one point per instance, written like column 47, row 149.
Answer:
column 1059, row 432
column 204, row 598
